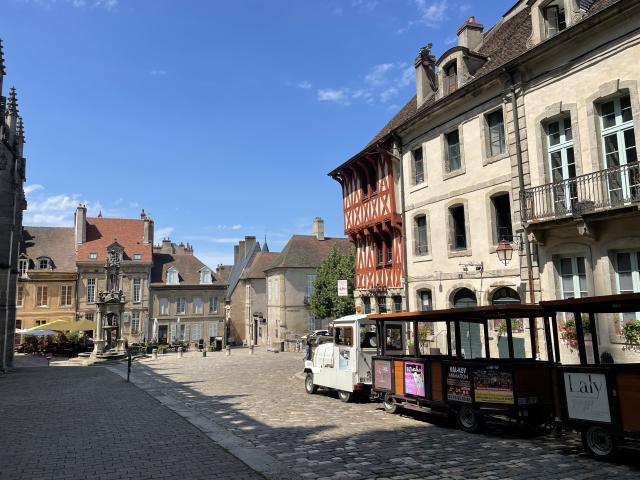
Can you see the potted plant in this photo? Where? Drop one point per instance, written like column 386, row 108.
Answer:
column 162, row 348
column 516, row 325
column 568, row 331
column 630, row 331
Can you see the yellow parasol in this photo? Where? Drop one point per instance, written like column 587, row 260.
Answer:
column 54, row 325
column 66, row 325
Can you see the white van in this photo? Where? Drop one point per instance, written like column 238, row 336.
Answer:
column 345, row 363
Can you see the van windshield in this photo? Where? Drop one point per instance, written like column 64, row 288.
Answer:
column 368, row 336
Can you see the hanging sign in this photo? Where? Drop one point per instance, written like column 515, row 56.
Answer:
column 343, row 288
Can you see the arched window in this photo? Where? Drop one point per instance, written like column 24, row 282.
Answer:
column 464, row 298
column 505, row 295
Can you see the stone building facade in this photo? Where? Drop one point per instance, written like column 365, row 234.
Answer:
column 290, row 285
column 12, row 204
column 47, row 277
column 187, row 297
column 542, row 106
column 94, row 238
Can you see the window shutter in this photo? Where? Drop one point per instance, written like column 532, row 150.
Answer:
column 413, row 168
column 173, row 332
column 415, row 237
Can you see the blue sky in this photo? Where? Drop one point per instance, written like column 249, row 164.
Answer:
column 219, row 118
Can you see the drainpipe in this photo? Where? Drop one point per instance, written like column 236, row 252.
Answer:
column 8, row 289
column 516, row 127
column 405, row 273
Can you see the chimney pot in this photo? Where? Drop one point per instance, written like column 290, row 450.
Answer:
column 318, row 228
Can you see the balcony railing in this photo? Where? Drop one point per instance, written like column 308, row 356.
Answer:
column 601, row 190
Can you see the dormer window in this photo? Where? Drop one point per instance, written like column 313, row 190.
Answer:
column 93, row 256
column 450, row 77
column 114, row 256
column 554, row 18
column 205, row 276
column 44, row 263
column 172, row 276
column 137, row 257
column 23, row 267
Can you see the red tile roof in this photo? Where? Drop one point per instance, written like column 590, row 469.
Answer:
column 102, row 232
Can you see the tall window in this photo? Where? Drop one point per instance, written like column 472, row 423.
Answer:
column 397, row 303
column 135, row 321
column 458, row 228
column 502, row 215
column 137, row 289
column 88, row 316
column 164, row 306
column 310, row 279
column 91, row 290
column 421, row 246
column 23, row 267
column 573, row 277
column 20, row 296
column 379, row 252
column 205, row 276
column 450, row 78
column 388, row 244
column 619, row 146
column 213, row 304
column 41, row 296
column 172, row 276
column 628, row 277
column 197, row 305
column 366, row 304
column 181, row 306
column 425, row 300
column 382, row 304
column 554, row 18
column 66, row 294
column 417, row 166
column 495, row 124
column 562, row 164
column 454, row 162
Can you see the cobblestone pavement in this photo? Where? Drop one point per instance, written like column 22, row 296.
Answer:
column 87, row 423
column 258, row 403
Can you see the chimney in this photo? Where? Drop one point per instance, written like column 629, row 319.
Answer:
column 470, row 34
column 318, row 228
column 241, row 250
column 81, row 224
column 148, row 228
column 236, row 254
column 166, row 247
column 249, row 243
column 425, row 64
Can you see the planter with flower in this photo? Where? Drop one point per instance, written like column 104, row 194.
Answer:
column 630, row 331
column 516, row 326
column 568, row 331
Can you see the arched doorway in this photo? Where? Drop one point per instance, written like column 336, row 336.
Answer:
column 469, row 332
column 505, row 296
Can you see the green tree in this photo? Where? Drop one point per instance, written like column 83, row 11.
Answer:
column 325, row 302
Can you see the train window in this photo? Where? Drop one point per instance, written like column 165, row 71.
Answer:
column 394, row 337
column 368, row 336
column 344, row 336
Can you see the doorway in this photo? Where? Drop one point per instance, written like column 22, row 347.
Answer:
column 470, row 342
column 162, row 334
column 505, row 296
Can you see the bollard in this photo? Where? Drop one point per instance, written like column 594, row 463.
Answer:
column 251, row 350
column 154, row 353
column 128, row 365
column 179, row 352
column 204, row 353
column 49, row 356
column 228, row 352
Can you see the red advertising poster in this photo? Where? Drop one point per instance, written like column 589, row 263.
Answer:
column 414, row 379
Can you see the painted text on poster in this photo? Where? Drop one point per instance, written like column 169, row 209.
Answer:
column 414, row 379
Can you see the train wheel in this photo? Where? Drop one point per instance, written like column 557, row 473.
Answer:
column 390, row 406
column 345, row 397
column 469, row 420
column 309, row 385
column 599, row 442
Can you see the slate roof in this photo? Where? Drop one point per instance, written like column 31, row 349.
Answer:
column 502, row 43
column 238, row 269
column 188, row 266
column 57, row 243
column 306, row 251
column 102, row 232
column 257, row 266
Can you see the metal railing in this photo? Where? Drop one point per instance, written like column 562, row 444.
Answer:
column 601, row 190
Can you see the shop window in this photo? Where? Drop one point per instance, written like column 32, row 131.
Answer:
column 344, row 336
column 501, row 206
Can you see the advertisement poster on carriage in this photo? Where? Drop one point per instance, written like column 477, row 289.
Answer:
column 382, row 374
column 414, row 381
column 587, row 396
column 493, row 385
column 458, row 384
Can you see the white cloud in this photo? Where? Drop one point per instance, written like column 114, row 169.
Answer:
column 378, row 74
column 364, row 5
column 430, row 14
column 158, row 73
column 340, row 96
column 164, row 232
column 388, row 94
column 408, row 76
column 104, row 4
column 223, row 227
column 305, row 85
column 32, row 188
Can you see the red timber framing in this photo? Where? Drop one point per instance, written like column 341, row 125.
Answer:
column 371, row 219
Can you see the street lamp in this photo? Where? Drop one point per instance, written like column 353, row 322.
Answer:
column 504, row 251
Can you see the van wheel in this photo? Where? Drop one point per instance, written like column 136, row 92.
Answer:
column 599, row 442
column 469, row 420
column 390, row 405
column 345, row 397
column 308, row 384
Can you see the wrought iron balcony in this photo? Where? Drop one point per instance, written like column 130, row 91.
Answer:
column 592, row 192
